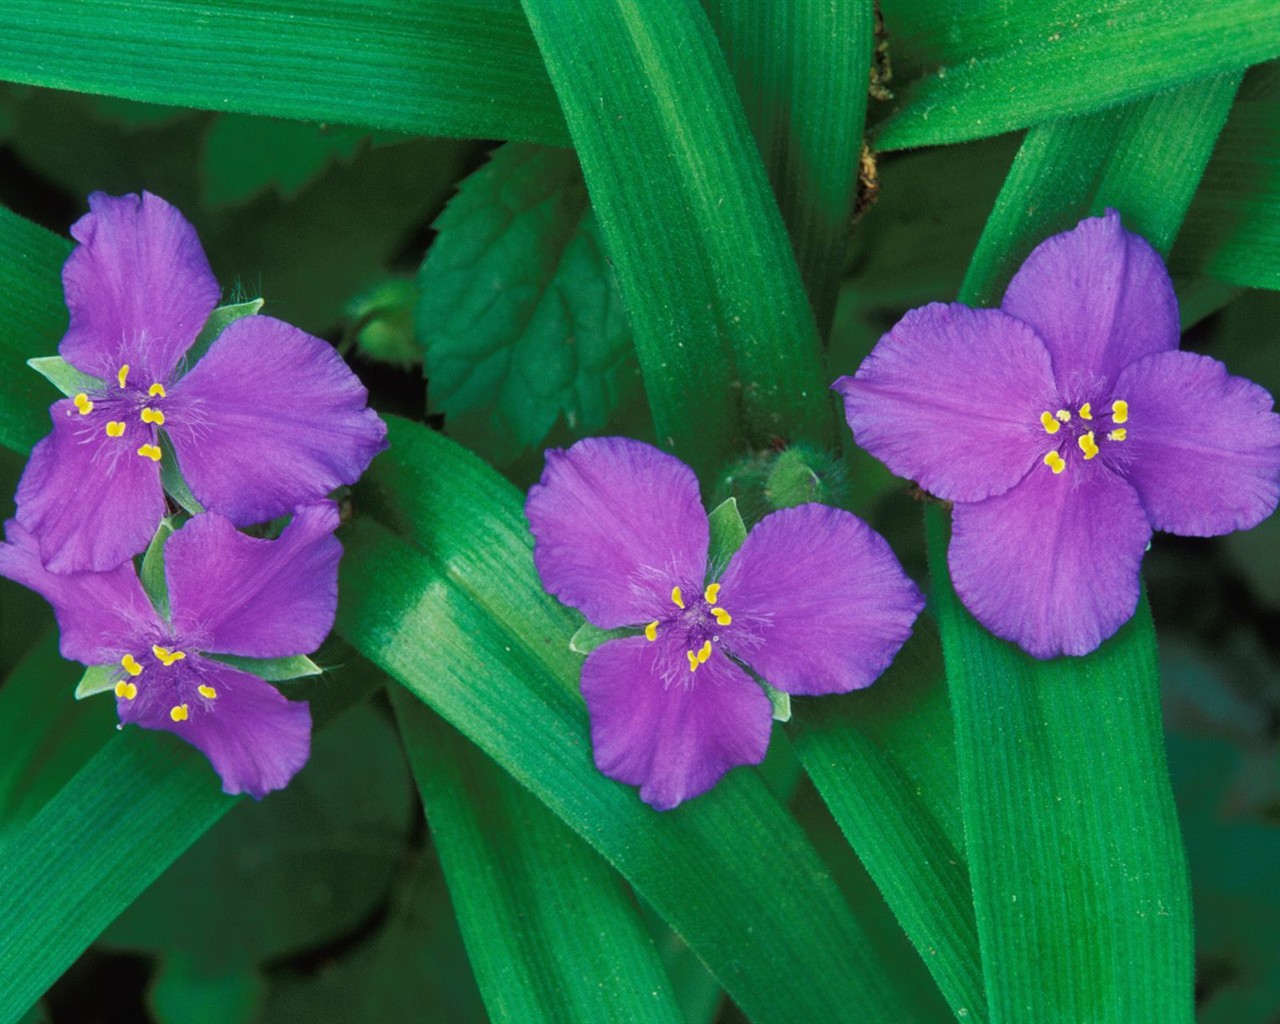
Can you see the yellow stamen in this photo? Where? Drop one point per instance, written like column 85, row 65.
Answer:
column 126, row 690
column 1119, row 410
column 1055, row 462
column 693, row 661
column 83, row 404
column 712, row 593
column 156, row 389
column 1086, row 411
column 704, row 652
column 123, row 375
column 1118, row 435
column 1051, row 426
column 150, row 451
column 1063, row 415
column 167, row 656
column 208, row 691
column 1088, row 445
column 179, row 713
column 115, row 428
column 722, row 616
column 131, row 665
column 677, row 597
column 651, row 631
column 153, row 416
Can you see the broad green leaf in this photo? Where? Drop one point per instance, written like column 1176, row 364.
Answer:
column 34, row 318
column 995, row 68
column 125, row 816
column 292, row 872
column 63, row 376
column 801, row 72
column 518, row 312
column 551, row 930
column 441, row 67
column 273, row 670
column 722, row 325
column 455, row 612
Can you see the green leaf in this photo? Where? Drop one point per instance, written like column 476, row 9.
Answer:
column 381, row 322
column 727, row 534
column 994, row 68
column 172, row 480
column 273, row 670
column 97, row 679
column 722, row 325
column 218, row 321
column 431, row 67
column 63, row 376
column 781, row 702
column 184, row 991
column 552, row 932
column 456, row 613
column 35, row 319
column 152, row 575
column 518, row 313
column 589, row 637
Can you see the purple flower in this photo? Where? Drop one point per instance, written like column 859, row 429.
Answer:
column 270, row 418
column 1066, row 426
column 813, row 601
column 228, row 594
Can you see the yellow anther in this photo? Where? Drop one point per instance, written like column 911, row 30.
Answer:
column 123, row 375
column 677, row 597
column 179, row 713
column 1055, row 462
column 1118, row 435
column 712, row 593
column 83, row 404
column 131, row 665
column 126, row 690
column 722, row 616
column 704, row 652
column 1063, row 415
column 693, row 661
column 1088, row 445
column 1050, row 425
column 207, row 691
column 156, row 389
column 1119, row 410
column 150, row 451
column 1086, row 411
column 651, row 631
column 115, row 428
column 167, row 656
column 153, row 416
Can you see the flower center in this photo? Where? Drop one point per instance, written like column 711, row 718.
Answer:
column 1083, row 432
column 126, row 412
column 700, row 621
column 153, row 670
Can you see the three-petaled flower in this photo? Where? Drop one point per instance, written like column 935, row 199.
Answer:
column 1066, row 426
column 228, row 594
column 813, row 601
column 268, row 419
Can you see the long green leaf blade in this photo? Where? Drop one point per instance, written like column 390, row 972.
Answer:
column 465, row 68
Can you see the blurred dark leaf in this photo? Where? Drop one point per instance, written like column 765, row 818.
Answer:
column 182, row 992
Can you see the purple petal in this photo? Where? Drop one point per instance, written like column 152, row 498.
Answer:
column 100, row 614
column 235, row 594
column 254, row 737
column 672, row 732
column 138, row 286
column 952, row 398
column 1100, row 298
column 617, row 524
column 91, row 500
column 1202, row 447
column 818, row 600
column 1053, row 563
column 269, row 419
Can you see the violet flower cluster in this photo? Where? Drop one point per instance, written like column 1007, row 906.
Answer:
column 1066, row 426
column 266, row 423
column 814, row 602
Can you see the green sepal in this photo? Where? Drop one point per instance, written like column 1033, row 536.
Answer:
column 152, row 574
column 172, row 480
column 727, row 534
column 65, row 377
column 96, row 679
column 589, row 637
column 218, row 322
column 273, row 670
column 781, row 702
